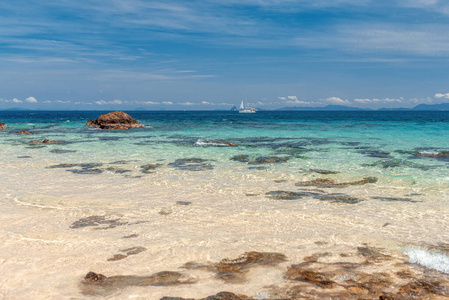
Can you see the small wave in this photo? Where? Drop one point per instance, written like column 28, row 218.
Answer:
column 205, row 143
column 429, row 153
column 432, row 260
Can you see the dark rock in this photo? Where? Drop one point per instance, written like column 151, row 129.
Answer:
column 24, row 132
column 114, row 120
column 240, row 158
column 395, row 199
column 46, row 141
column 86, row 171
column 117, row 257
column 24, row 156
column 3, row 125
column 149, row 167
column 130, row 236
column 338, row 198
column 62, row 151
column 62, row 166
column 134, row 250
column 421, row 288
column 96, row 221
column 191, row 164
column 323, row 172
column 286, row 195
column 297, row 272
column 183, row 202
column 99, row 285
column 268, row 160
column 235, row 270
column 227, row 296
column 329, row 183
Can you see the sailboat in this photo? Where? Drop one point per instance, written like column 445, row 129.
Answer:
column 243, row 109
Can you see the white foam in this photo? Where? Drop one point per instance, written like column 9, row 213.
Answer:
column 204, row 143
column 429, row 259
column 429, row 153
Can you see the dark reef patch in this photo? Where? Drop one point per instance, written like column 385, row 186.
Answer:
column 395, row 199
column 323, row 172
column 241, row 158
column 148, row 168
column 183, row 203
column 268, row 160
column 84, row 171
column 329, row 183
column 286, row 195
column 62, row 151
column 128, row 252
column 24, row 156
column 398, row 163
column 338, row 198
column 95, row 221
column 191, row 164
column 130, row 236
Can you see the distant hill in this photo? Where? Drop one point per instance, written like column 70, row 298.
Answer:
column 234, row 108
column 441, row 106
column 420, row 107
column 327, row 108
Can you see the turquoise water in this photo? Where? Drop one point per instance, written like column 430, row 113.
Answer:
column 411, row 145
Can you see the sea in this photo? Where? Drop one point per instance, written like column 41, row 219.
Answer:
column 197, row 204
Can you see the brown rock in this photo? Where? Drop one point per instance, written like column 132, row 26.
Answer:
column 114, row 120
column 24, row 132
column 3, row 126
column 46, row 141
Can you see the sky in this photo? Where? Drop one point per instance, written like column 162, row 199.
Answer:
column 204, row 55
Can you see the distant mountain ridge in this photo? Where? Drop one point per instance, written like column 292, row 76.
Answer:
column 420, row 107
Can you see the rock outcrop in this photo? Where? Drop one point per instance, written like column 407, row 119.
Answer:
column 114, row 120
column 3, row 125
column 24, row 132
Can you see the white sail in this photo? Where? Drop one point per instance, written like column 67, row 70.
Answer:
column 242, row 106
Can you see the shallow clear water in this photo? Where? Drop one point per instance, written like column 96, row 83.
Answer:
column 360, row 178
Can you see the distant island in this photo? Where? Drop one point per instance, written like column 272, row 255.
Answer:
column 420, row 107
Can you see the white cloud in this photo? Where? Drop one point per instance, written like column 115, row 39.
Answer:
column 101, row 102
column 167, row 102
column 187, row 103
column 282, row 98
column 62, row 102
column 150, row 102
column 116, row 101
column 31, row 100
column 15, row 100
column 205, row 102
column 444, row 96
column 337, row 100
column 292, row 97
column 363, row 100
column 46, row 101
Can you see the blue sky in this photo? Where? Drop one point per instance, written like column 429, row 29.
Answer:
column 127, row 54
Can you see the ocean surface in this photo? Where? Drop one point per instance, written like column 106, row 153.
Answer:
column 222, row 201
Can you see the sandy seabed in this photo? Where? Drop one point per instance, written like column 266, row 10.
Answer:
column 174, row 233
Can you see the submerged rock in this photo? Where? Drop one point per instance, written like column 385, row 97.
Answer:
column 24, row 132
column 240, row 158
column 235, row 270
column 114, row 120
column 268, row 160
column 100, row 285
column 329, row 183
column 218, row 296
column 191, row 164
column 3, row 125
column 46, row 141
